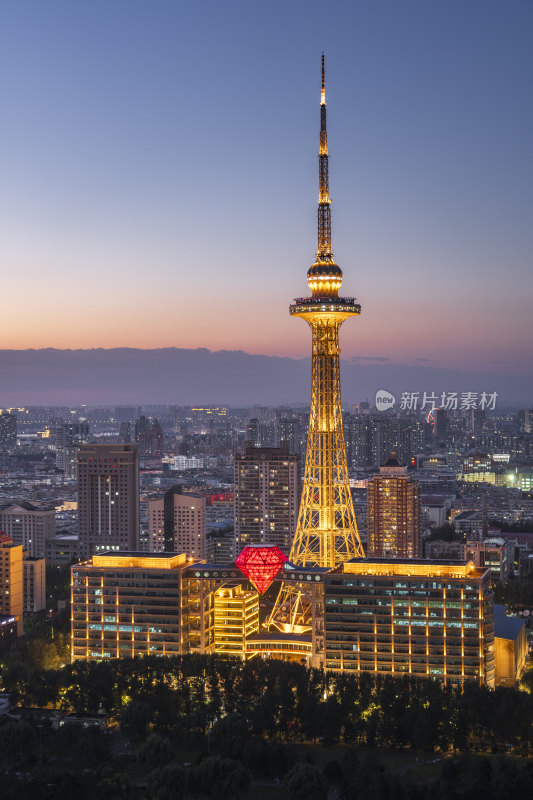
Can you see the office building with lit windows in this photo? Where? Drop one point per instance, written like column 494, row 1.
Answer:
column 410, row 617
column 267, row 485
column 108, row 498
column 129, row 604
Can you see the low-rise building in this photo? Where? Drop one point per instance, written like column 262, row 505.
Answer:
column 510, row 647
column 8, row 630
column 496, row 553
column 410, row 617
column 62, row 549
column 236, row 619
column 438, row 549
column 127, row 604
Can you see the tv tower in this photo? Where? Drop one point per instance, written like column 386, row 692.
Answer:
column 326, row 533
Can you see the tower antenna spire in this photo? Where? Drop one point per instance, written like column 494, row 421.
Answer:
column 324, row 276
column 326, row 532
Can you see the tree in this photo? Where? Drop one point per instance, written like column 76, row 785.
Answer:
column 17, row 741
column 220, row 779
column 306, row 782
column 156, row 750
column 135, row 718
column 168, row 783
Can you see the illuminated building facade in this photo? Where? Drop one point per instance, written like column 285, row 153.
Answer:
column 511, row 647
column 326, row 532
column 236, row 619
column 267, row 484
column 394, row 514
column 11, row 580
column 128, row 604
column 108, row 498
column 177, row 523
column 410, row 617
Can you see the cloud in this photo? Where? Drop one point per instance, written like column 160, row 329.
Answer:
column 424, row 359
column 132, row 376
column 370, row 358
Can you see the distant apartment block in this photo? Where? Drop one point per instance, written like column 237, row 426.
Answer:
column 177, row 523
column 28, row 525
column 8, row 432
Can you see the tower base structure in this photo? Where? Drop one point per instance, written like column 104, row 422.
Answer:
column 326, row 533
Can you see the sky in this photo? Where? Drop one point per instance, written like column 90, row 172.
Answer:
column 158, row 175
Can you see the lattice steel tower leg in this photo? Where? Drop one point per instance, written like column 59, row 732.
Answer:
column 326, row 533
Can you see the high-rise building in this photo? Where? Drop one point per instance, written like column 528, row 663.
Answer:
column 394, row 514
column 220, row 546
column 370, row 439
column 28, row 525
column 177, row 523
column 124, row 434
column 326, row 532
column 11, row 580
column 441, row 426
column 67, row 437
column 67, row 461
column 291, row 435
column 34, row 579
column 8, row 432
column 142, row 427
column 155, row 439
column 108, row 498
column 267, row 483
column 68, row 434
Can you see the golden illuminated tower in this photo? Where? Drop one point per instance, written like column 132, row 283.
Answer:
column 326, row 532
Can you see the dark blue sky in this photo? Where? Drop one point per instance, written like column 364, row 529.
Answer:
column 158, row 174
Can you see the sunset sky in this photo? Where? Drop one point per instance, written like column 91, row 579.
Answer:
column 158, row 175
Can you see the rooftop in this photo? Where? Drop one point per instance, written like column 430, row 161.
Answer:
column 415, row 567
column 506, row 627
column 139, row 560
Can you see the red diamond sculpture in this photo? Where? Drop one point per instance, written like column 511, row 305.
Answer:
column 260, row 564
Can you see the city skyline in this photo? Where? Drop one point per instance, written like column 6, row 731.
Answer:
column 146, row 152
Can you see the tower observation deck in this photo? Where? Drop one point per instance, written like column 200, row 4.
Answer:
column 326, row 532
